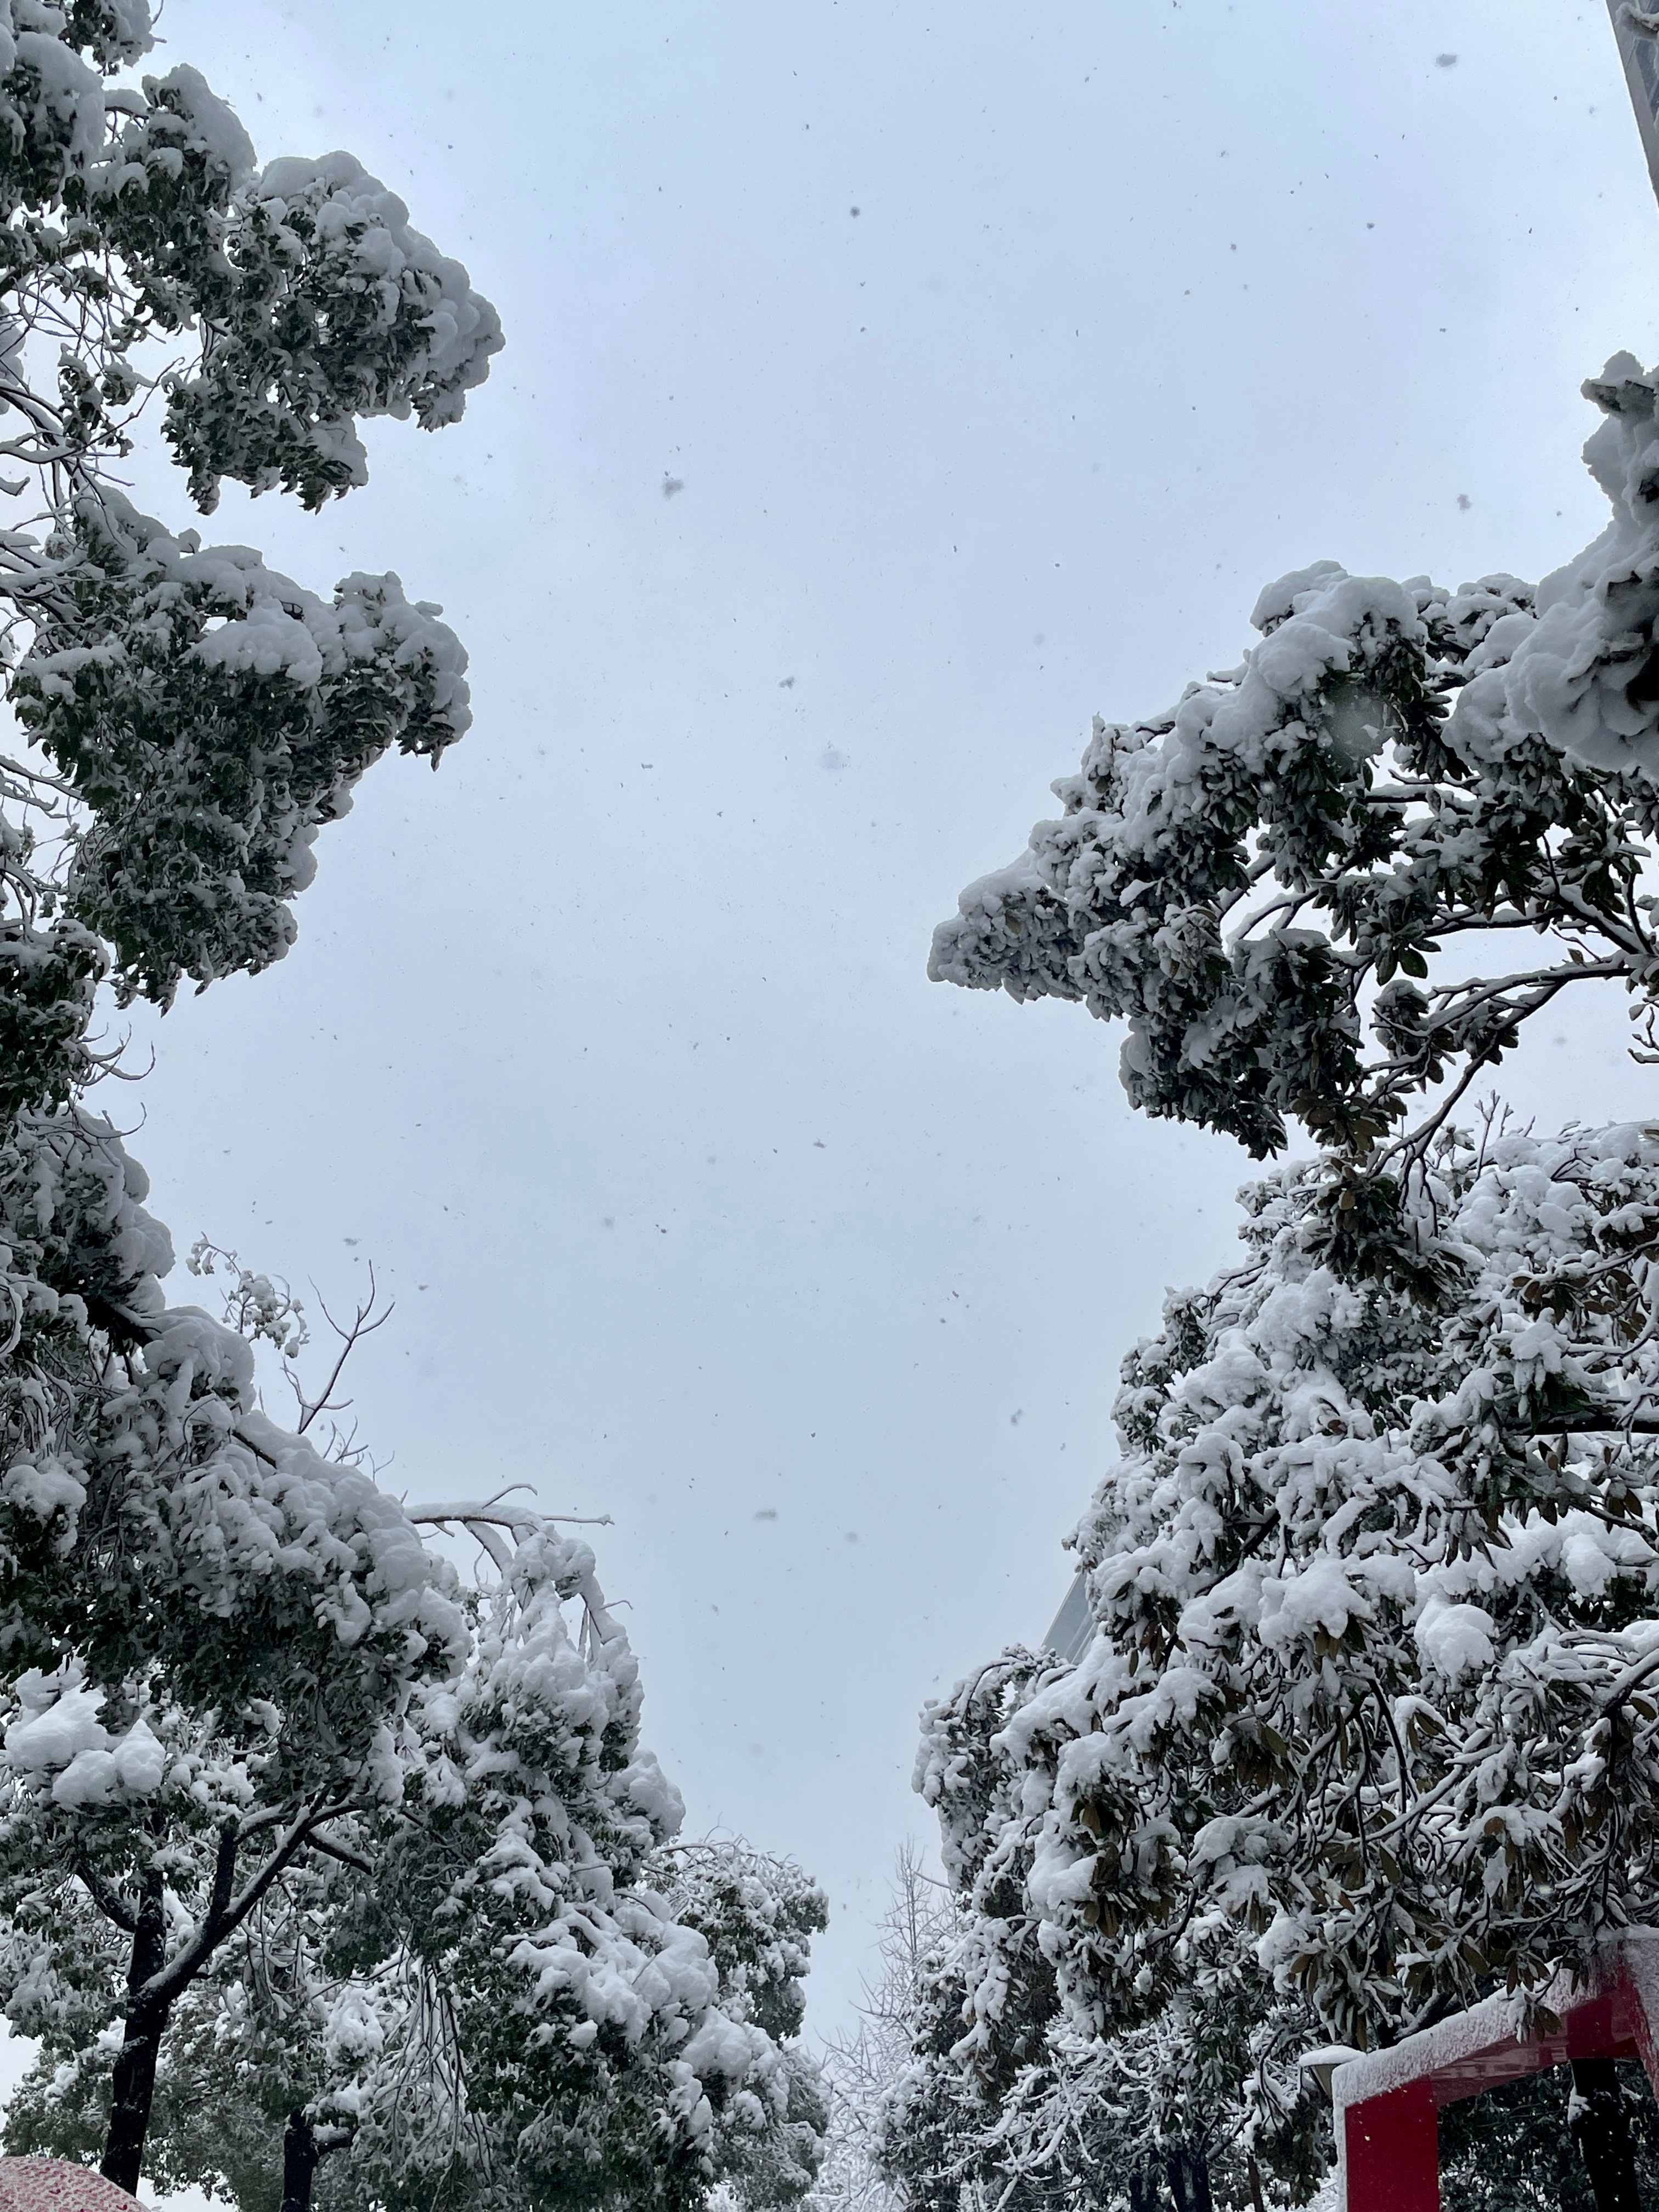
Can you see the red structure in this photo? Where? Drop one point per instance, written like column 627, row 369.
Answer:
column 1386, row 2104
column 54, row 2184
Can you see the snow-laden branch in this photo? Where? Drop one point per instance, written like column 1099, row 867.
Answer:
column 1287, row 863
column 1370, row 1719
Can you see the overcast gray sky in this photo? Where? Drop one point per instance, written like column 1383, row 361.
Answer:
column 1002, row 354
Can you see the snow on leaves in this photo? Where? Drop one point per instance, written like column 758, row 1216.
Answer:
column 251, row 1676
column 1371, row 1687
column 1261, row 882
column 305, row 1846
column 757, row 1915
column 212, row 717
column 326, row 307
column 577, row 1983
column 199, row 716
column 1368, row 1726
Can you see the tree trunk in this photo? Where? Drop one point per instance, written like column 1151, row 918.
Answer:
column 1189, row 2180
column 1256, row 2197
column 1143, row 2190
column 133, row 2086
column 1600, row 2130
column 300, row 2156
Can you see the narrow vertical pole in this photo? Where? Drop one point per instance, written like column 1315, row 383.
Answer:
column 1638, row 50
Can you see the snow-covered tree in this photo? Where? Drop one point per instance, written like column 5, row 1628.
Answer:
column 211, row 1632
column 497, row 1979
column 1002, row 2096
column 1282, row 884
column 757, row 1914
column 627, row 2024
column 256, row 2074
column 1367, row 1724
column 1366, row 1728
column 298, row 1836
column 195, row 717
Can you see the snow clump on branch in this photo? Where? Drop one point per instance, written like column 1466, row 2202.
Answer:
column 291, row 1821
column 1373, row 1687
column 1258, row 880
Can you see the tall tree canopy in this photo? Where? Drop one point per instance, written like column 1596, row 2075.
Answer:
column 212, row 1631
column 1367, row 1723
column 195, row 717
column 306, row 1845
column 1281, row 884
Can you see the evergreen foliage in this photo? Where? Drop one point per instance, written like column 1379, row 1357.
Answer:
column 757, row 1914
column 1281, row 885
column 1367, row 1725
column 316, row 1858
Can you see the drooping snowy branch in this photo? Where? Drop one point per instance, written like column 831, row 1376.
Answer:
column 198, row 717
column 1306, row 888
